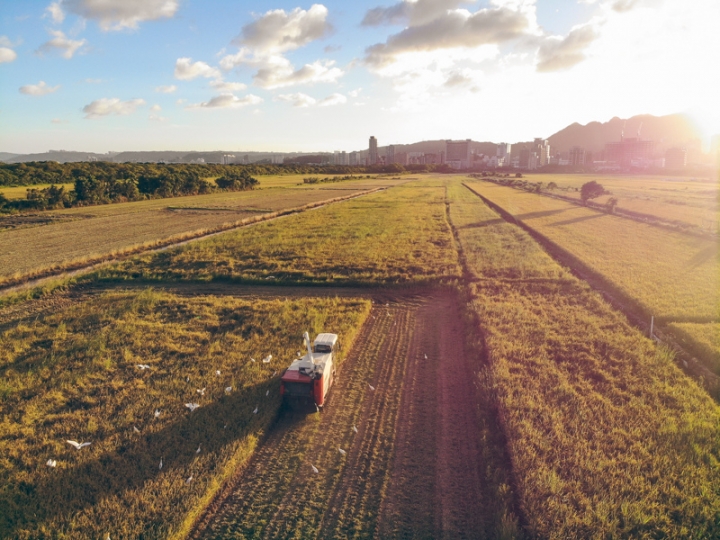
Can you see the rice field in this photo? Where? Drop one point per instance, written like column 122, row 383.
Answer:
column 702, row 339
column 607, row 437
column 668, row 274
column 152, row 464
column 397, row 236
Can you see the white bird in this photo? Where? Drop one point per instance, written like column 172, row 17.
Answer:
column 107, row 537
column 51, row 463
column 160, row 467
column 252, row 359
column 201, row 391
column 256, row 410
column 192, row 406
column 342, row 452
column 187, row 379
column 317, row 409
column 371, row 386
column 267, row 359
column 685, row 363
column 228, row 389
column 143, row 367
column 136, row 430
column 355, row 429
column 217, row 372
column 299, row 354
column 189, row 479
column 270, row 277
column 78, row 445
column 274, row 373
column 426, row 357
column 157, row 413
column 314, row 468
column 198, row 450
column 225, row 426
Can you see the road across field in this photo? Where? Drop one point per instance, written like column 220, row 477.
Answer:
column 411, row 469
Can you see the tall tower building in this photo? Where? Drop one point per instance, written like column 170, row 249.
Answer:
column 373, row 154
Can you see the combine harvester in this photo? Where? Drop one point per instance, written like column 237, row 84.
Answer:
column 308, row 379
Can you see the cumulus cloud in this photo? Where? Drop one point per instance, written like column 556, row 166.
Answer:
column 557, row 53
column 7, row 55
column 39, row 89
column 111, row 106
column 225, row 87
column 228, row 101
column 264, row 41
column 411, row 12
column 65, row 46
column 185, row 70
column 121, row 14
column 278, row 31
column 355, row 93
column 166, row 89
column 156, row 108
column 453, row 29
column 303, row 100
column 55, row 12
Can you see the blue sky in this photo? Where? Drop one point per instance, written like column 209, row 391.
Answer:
column 112, row 75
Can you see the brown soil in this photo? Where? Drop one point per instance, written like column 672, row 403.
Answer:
column 413, row 468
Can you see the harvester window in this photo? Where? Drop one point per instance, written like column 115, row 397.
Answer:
column 322, row 348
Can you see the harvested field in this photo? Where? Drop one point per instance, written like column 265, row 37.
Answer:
column 668, row 274
column 103, row 230
column 398, row 235
column 415, row 466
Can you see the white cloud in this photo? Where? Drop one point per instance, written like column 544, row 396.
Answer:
column 7, row 55
column 355, row 93
column 58, row 121
column 297, row 100
column 333, row 99
column 66, row 46
column 121, row 14
column 166, row 89
column 227, row 87
column 5, row 42
column 94, row 81
column 414, row 13
column 278, row 31
column 157, row 118
column 187, row 71
column 263, row 42
column 156, row 108
column 227, row 101
column 39, row 89
column 55, row 12
column 557, row 53
column 107, row 106
column 303, row 100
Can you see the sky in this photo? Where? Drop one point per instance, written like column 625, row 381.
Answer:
column 279, row 75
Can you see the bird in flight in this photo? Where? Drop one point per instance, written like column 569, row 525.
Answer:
column 217, row 372
column 78, row 445
column 160, row 467
column 201, row 391
column 189, row 479
column 355, row 429
column 252, row 359
column 51, row 463
column 256, row 410
column 228, row 389
column 143, row 367
column 342, row 452
column 371, row 386
column 157, row 413
column 314, row 468
column 192, row 406
column 198, row 450
column 267, row 393
column 267, row 359
column 136, row 430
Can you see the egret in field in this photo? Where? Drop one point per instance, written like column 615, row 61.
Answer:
column 198, row 450
column 189, row 479
column 143, row 367
column 267, row 393
column 51, row 463
column 160, row 467
column 136, row 430
column 217, row 372
column 685, row 363
column 314, row 468
column 192, row 406
column 256, row 410
column 371, row 387
column 274, row 373
column 78, row 445
column 267, row 359
column 225, row 426
column 252, row 359
column 342, row 452
column 187, row 379
column 201, row 391
column 228, row 389
column 355, row 429
column 299, row 353
column 157, row 413
column 426, row 357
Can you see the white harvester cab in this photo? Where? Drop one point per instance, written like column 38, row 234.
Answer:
column 308, row 379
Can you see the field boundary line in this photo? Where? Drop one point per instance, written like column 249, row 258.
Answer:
column 74, row 267
column 617, row 299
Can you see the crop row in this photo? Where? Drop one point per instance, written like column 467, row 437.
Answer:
column 606, row 436
column 79, row 374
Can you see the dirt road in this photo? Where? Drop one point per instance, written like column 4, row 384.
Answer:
column 411, row 469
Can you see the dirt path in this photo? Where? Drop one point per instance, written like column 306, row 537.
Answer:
column 410, row 470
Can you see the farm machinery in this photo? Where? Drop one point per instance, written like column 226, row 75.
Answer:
column 308, row 379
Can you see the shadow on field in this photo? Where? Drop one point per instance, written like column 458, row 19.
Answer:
column 137, row 457
column 575, row 220
column 544, row 213
column 479, row 224
column 703, row 256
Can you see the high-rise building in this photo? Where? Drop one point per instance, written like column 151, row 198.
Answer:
column 457, row 154
column 577, row 156
column 373, row 152
column 542, row 148
column 630, row 152
column 675, row 158
column 354, row 158
column 390, row 154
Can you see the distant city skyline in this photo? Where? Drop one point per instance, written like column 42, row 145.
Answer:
column 292, row 77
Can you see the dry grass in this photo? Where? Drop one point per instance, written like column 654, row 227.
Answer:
column 607, row 437
column 73, row 375
column 702, row 339
column 98, row 231
column 400, row 235
column 668, row 274
column 678, row 199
